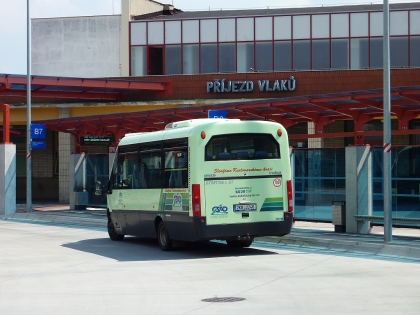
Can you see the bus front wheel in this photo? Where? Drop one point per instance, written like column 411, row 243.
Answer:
column 112, row 233
column 164, row 240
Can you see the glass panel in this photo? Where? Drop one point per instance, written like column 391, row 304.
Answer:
column 301, row 55
column 208, row 58
column 339, row 54
column 415, row 22
column 359, row 53
column 398, row 52
column 320, row 26
column 264, row 56
column 173, row 32
column 283, row 27
column 208, row 31
column 264, row 28
column 358, row 24
column 376, row 53
column 301, row 26
column 190, row 31
column 138, row 61
column 320, row 54
column 245, row 59
column 138, row 33
column 227, row 58
column 152, row 162
column 376, row 24
column 282, row 56
column 415, row 51
column 245, row 30
column 176, row 169
column 190, row 59
column 155, row 33
column 242, row 147
column 398, row 23
column 226, row 30
column 339, row 25
column 173, row 59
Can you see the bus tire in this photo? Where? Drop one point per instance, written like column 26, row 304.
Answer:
column 240, row 243
column 112, row 233
column 164, row 240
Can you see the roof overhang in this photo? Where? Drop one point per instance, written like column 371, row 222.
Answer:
column 74, row 89
column 359, row 106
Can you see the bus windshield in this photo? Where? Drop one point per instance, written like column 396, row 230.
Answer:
column 242, row 147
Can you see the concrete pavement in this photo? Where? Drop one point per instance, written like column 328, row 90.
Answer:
column 405, row 243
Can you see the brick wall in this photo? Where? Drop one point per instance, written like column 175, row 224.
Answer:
column 307, row 83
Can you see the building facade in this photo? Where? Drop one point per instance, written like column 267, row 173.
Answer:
column 215, row 58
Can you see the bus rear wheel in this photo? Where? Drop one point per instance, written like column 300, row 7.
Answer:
column 240, row 243
column 112, row 233
column 164, row 240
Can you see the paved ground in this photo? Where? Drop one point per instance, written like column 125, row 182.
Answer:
column 68, row 269
column 405, row 243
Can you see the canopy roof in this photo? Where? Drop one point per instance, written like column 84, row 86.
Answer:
column 359, row 106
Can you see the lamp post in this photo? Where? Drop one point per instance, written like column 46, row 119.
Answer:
column 387, row 130
column 28, row 116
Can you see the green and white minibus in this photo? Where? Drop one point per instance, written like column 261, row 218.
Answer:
column 202, row 179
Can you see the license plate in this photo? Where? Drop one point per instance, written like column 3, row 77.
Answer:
column 245, row 207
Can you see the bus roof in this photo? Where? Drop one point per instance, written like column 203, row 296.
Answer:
column 176, row 130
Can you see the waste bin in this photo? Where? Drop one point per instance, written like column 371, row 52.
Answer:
column 339, row 216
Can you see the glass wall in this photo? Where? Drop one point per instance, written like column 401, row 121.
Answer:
column 344, row 40
column 319, row 179
column 405, row 181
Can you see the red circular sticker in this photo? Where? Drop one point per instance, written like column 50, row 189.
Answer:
column 277, row 182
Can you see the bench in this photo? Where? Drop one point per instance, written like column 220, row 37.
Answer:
column 375, row 218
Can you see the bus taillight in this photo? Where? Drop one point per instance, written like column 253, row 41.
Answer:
column 196, row 200
column 289, row 196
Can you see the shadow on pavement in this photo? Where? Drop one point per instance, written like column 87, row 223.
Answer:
column 140, row 249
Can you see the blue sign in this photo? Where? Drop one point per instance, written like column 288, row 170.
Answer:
column 38, row 145
column 38, row 131
column 217, row 114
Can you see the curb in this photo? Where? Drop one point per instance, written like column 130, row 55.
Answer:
column 395, row 250
column 401, row 250
column 55, row 219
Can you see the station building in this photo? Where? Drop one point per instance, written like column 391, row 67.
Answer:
column 316, row 70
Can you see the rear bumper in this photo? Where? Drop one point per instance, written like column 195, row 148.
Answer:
column 234, row 231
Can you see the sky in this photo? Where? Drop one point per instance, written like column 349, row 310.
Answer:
column 13, row 18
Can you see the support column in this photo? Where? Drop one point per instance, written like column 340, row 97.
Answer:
column 7, row 178
column 358, row 188
column 64, row 150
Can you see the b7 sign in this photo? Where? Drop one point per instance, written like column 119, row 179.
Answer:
column 38, row 131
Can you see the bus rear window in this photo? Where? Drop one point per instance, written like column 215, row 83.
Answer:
column 248, row 146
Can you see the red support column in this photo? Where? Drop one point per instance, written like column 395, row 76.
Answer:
column 5, row 108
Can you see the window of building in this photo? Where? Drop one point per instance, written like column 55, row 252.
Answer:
column 301, row 55
column 264, row 28
column 282, row 27
column 340, row 54
column 245, row 29
column 227, row 30
column 264, row 56
column 227, row 58
column 208, row 31
column 190, row 59
column 320, row 26
column 138, row 60
column 359, row 53
column 173, row 32
column 173, row 59
column 339, row 25
column 282, row 56
column 414, row 51
column 301, row 26
column 245, row 53
column 155, row 33
column 320, row 54
column 359, row 24
column 208, row 57
column 398, row 23
column 190, row 31
column 398, row 51
column 376, row 53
